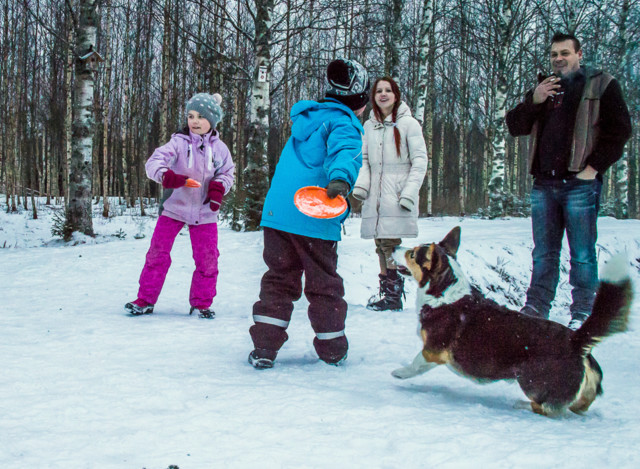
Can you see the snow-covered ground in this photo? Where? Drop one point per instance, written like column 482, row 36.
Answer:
column 83, row 385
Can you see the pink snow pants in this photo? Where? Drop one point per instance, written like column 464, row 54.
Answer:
column 204, row 242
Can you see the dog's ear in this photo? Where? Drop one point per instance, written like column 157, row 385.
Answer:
column 451, row 242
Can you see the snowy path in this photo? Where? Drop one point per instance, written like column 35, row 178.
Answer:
column 84, row 385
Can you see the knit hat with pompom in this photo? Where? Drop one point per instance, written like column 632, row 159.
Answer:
column 208, row 106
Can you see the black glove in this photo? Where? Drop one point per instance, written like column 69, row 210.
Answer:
column 338, row 187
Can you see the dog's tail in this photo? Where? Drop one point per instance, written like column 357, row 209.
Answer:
column 611, row 308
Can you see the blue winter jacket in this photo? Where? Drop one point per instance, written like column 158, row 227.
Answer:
column 325, row 144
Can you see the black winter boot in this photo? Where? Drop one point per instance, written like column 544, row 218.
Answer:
column 332, row 351
column 381, row 290
column 262, row 358
column 391, row 292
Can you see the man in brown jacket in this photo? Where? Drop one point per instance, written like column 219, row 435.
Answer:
column 578, row 123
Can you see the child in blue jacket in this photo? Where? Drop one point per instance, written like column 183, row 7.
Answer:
column 325, row 149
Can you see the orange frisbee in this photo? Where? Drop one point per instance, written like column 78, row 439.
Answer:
column 314, row 202
column 192, row 183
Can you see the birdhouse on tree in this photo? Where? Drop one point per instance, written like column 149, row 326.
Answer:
column 91, row 58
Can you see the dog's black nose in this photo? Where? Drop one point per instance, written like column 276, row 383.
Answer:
column 402, row 270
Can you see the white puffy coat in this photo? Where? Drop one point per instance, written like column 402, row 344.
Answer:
column 387, row 180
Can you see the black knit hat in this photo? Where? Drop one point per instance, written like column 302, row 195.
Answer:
column 348, row 82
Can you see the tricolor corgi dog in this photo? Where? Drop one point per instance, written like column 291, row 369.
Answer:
column 484, row 341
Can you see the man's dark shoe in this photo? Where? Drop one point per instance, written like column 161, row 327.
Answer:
column 577, row 319
column 530, row 311
column 262, row 358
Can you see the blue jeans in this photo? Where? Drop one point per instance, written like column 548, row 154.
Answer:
column 557, row 206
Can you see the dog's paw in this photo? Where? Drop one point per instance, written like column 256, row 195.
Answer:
column 404, row 372
column 418, row 366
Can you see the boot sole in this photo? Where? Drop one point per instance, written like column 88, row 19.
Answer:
column 336, row 363
column 370, row 308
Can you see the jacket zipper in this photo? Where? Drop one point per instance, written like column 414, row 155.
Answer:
column 384, row 130
column 204, row 190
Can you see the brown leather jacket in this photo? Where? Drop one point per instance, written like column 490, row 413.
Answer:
column 585, row 131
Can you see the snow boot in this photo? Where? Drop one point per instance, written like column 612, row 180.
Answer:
column 138, row 307
column 381, row 289
column 391, row 292
column 332, row 351
column 262, row 359
column 205, row 313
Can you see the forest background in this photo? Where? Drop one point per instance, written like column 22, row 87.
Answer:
column 88, row 88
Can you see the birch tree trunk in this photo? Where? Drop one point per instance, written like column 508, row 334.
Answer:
column 256, row 173
column 78, row 216
column 125, row 116
column 496, row 182
column 68, row 124
column 573, row 16
column 430, row 104
column 13, row 141
column 164, row 96
column 396, row 38
column 423, row 71
column 238, row 146
column 620, row 181
column 287, row 57
column 633, row 177
column 424, row 108
column 463, row 108
column 105, row 121
column 4, row 94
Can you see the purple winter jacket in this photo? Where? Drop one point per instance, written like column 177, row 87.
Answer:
column 202, row 158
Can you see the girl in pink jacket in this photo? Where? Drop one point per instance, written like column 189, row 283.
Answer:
column 195, row 153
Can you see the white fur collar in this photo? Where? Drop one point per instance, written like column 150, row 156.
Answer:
column 459, row 289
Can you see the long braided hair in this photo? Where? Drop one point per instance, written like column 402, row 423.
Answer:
column 394, row 111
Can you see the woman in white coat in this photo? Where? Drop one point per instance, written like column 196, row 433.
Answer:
column 394, row 162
